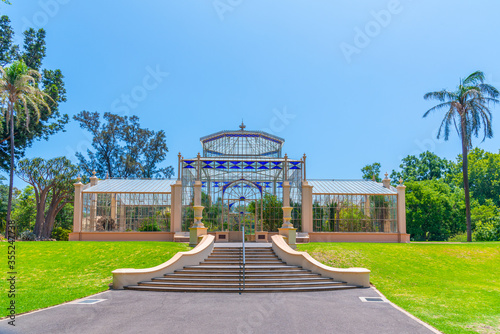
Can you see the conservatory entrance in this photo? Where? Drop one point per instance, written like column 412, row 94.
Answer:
column 243, row 207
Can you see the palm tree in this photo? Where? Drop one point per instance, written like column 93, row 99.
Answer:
column 19, row 90
column 467, row 109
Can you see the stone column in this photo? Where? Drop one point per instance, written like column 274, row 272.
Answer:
column 77, row 208
column 307, row 212
column 93, row 203
column 198, row 229
column 401, row 209
column 113, row 207
column 176, row 207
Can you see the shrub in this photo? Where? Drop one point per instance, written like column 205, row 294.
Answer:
column 488, row 231
column 149, row 226
column 28, row 236
column 60, row 234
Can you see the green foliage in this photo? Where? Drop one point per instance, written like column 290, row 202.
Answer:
column 53, row 180
column 148, row 226
column 427, row 166
column 49, row 120
column 122, row 148
column 272, row 213
column 488, row 230
column 28, row 236
column 24, row 213
column 434, row 211
column 484, row 175
column 60, row 234
column 372, row 171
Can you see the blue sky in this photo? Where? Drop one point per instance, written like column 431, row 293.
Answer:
column 342, row 81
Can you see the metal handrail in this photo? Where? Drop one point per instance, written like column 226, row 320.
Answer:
column 243, row 241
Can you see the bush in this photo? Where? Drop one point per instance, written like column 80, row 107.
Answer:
column 60, row 234
column 488, row 231
column 148, row 226
column 28, row 236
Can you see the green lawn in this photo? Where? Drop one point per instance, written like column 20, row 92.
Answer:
column 51, row 273
column 453, row 287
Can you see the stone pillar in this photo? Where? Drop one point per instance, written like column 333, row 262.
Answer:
column 113, row 207
column 77, row 208
column 123, row 217
column 401, row 212
column 367, row 206
column 93, row 203
column 286, row 193
column 198, row 229
column 176, row 207
column 307, row 212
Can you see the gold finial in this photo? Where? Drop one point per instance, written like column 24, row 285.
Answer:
column 79, row 178
column 304, row 156
column 198, row 156
column 286, row 156
column 242, row 126
column 400, row 180
column 179, row 155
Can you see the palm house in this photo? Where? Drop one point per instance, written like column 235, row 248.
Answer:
column 241, row 185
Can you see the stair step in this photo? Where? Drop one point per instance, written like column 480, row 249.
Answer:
column 238, row 284
column 247, row 272
column 248, row 267
column 248, row 280
column 218, row 275
column 185, row 289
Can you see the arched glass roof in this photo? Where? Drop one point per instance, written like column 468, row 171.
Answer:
column 242, row 143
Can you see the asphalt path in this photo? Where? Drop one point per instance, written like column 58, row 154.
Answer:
column 124, row 311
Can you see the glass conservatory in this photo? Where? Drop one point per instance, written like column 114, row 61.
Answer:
column 242, row 180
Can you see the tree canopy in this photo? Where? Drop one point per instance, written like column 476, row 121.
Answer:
column 50, row 120
column 372, row 172
column 427, row 166
column 52, row 181
column 121, row 148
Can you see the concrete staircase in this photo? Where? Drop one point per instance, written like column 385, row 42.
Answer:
column 222, row 271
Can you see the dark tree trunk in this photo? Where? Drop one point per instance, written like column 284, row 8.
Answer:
column 40, row 215
column 11, row 182
column 465, row 172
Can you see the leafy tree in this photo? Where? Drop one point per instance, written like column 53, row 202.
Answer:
column 52, row 181
column 4, row 195
column 18, row 87
column 24, row 213
column 50, row 120
column 372, row 171
column 467, row 110
column 427, row 166
column 8, row 51
column 434, row 211
column 122, row 148
column 484, row 175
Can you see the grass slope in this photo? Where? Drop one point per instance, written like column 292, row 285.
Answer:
column 453, row 287
column 51, row 273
